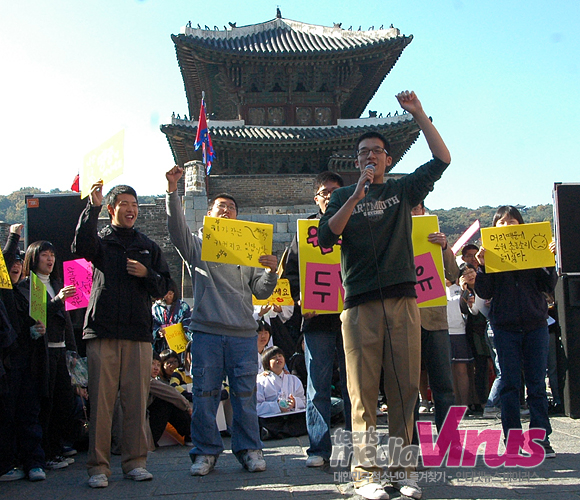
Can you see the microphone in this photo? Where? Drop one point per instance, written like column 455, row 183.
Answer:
column 368, row 183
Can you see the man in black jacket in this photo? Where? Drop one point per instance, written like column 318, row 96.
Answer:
column 323, row 341
column 128, row 270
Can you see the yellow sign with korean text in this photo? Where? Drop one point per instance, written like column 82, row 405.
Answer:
column 175, row 336
column 232, row 241
column 512, row 248
column 281, row 296
column 321, row 289
column 5, row 281
column 105, row 162
column 429, row 268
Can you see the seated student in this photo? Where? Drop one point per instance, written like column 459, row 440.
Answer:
column 181, row 376
column 169, row 363
column 168, row 311
column 166, row 405
column 264, row 341
column 280, row 397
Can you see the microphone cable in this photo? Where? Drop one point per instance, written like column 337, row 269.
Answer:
column 388, row 330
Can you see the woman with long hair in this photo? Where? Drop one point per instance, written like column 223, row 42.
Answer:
column 58, row 403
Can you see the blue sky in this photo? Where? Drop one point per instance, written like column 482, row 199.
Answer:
column 499, row 78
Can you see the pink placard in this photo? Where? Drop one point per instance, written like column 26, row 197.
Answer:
column 80, row 274
column 429, row 284
column 323, row 286
column 465, row 237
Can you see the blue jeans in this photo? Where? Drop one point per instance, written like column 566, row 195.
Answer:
column 530, row 350
column 436, row 354
column 320, row 347
column 214, row 357
column 493, row 400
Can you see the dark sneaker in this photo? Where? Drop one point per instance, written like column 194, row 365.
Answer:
column 202, row 465
column 68, row 451
column 13, row 475
column 253, row 461
column 550, row 453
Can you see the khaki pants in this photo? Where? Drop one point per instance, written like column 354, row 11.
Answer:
column 118, row 367
column 367, row 348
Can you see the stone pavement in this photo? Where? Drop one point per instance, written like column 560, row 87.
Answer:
column 288, row 478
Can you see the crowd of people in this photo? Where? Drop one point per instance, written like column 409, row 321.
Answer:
column 311, row 370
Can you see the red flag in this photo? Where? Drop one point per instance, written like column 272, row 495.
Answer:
column 75, row 185
column 203, row 139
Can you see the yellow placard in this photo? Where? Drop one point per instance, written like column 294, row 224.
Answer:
column 37, row 309
column 321, row 289
column 105, row 162
column 175, row 336
column 512, row 248
column 232, row 241
column 281, row 296
column 429, row 268
column 5, row 281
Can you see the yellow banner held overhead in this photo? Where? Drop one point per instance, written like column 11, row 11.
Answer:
column 175, row 336
column 5, row 281
column 512, row 248
column 232, row 241
column 281, row 296
column 429, row 268
column 105, row 162
column 321, row 287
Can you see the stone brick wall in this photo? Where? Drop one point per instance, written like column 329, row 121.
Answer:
column 265, row 190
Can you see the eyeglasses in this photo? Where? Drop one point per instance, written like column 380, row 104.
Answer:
column 223, row 206
column 325, row 193
column 173, row 362
column 376, row 151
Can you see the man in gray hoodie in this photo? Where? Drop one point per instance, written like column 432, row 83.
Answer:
column 224, row 337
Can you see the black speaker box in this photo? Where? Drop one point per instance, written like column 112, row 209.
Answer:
column 53, row 217
column 568, row 299
column 567, row 224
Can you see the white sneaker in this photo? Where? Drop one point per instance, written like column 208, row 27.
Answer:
column 202, row 465
column 36, row 474
column 98, row 481
column 253, row 461
column 13, row 475
column 491, row 412
column 408, row 488
column 314, row 461
column 139, row 474
column 372, row 491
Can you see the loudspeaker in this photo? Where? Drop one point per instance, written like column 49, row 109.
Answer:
column 568, row 300
column 567, row 224
column 54, row 217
